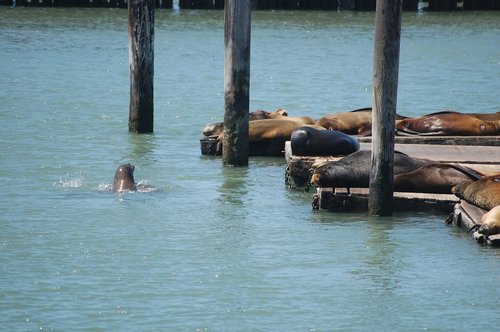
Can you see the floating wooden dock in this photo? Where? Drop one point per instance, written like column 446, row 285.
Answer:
column 480, row 153
column 467, row 216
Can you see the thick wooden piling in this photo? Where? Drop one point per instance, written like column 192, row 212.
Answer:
column 385, row 85
column 236, row 81
column 141, row 58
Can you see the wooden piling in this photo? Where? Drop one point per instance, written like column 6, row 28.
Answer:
column 141, row 58
column 236, row 81
column 385, row 85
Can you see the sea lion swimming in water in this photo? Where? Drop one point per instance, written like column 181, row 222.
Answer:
column 124, row 179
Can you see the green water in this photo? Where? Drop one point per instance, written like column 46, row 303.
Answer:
column 222, row 249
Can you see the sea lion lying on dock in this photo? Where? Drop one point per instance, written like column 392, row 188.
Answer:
column 484, row 193
column 490, row 222
column 309, row 141
column 437, row 178
column 268, row 137
column 217, row 128
column 450, row 123
column 356, row 122
column 124, row 179
column 262, row 115
column 353, row 171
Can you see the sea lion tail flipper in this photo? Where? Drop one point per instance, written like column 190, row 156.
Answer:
column 470, row 172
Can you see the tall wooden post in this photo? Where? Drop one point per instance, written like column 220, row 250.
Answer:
column 236, row 81
column 141, row 58
column 385, row 88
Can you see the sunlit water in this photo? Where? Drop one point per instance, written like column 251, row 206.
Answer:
column 213, row 248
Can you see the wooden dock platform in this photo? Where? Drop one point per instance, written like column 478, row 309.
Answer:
column 466, row 216
column 357, row 201
column 479, row 153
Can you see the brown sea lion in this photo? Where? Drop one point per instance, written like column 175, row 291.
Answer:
column 490, row 222
column 216, row 128
column 124, row 179
column 357, row 122
column 262, row 115
column 484, row 193
column 213, row 129
column 268, row 137
column 437, row 178
column 486, row 116
column 448, row 123
column 353, row 171
column 309, row 141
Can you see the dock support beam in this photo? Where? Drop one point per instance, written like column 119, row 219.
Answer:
column 141, row 58
column 236, row 82
column 385, row 87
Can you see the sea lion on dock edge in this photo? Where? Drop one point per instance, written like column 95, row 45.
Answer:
column 356, row 122
column 217, row 128
column 437, row 178
column 124, row 179
column 353, row 171
column 267, row 137
column 484, row 193
column 262, row 115
column 308, row 141
column 490, row 222
column 448, row 123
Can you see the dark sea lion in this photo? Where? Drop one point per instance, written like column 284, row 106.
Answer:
column 484, row 193
column 124, row 179
column 356, row 122
column 490, row 222
column 437, row 178
column 353, row 171
column 309, row 141
column 448, row 123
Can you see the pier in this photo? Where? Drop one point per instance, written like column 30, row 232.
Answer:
column 479, row 153
column 357, row 5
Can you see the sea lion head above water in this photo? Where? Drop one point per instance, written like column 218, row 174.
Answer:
column 124, row 179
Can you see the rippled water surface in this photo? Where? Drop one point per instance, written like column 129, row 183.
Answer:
column 213, row 248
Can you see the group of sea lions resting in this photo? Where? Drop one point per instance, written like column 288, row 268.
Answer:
column 273, row 129
column 419, row 175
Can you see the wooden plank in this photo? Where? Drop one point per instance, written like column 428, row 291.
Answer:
column 357, row 200
column 469, row 154
column 443, row 140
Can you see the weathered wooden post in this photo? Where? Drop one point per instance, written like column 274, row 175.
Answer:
column 141, row 58
column 385, row 87
column 236, row 81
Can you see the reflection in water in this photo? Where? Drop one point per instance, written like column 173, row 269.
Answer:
column 380, row 266
column 233, row 190
column 142, row 145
